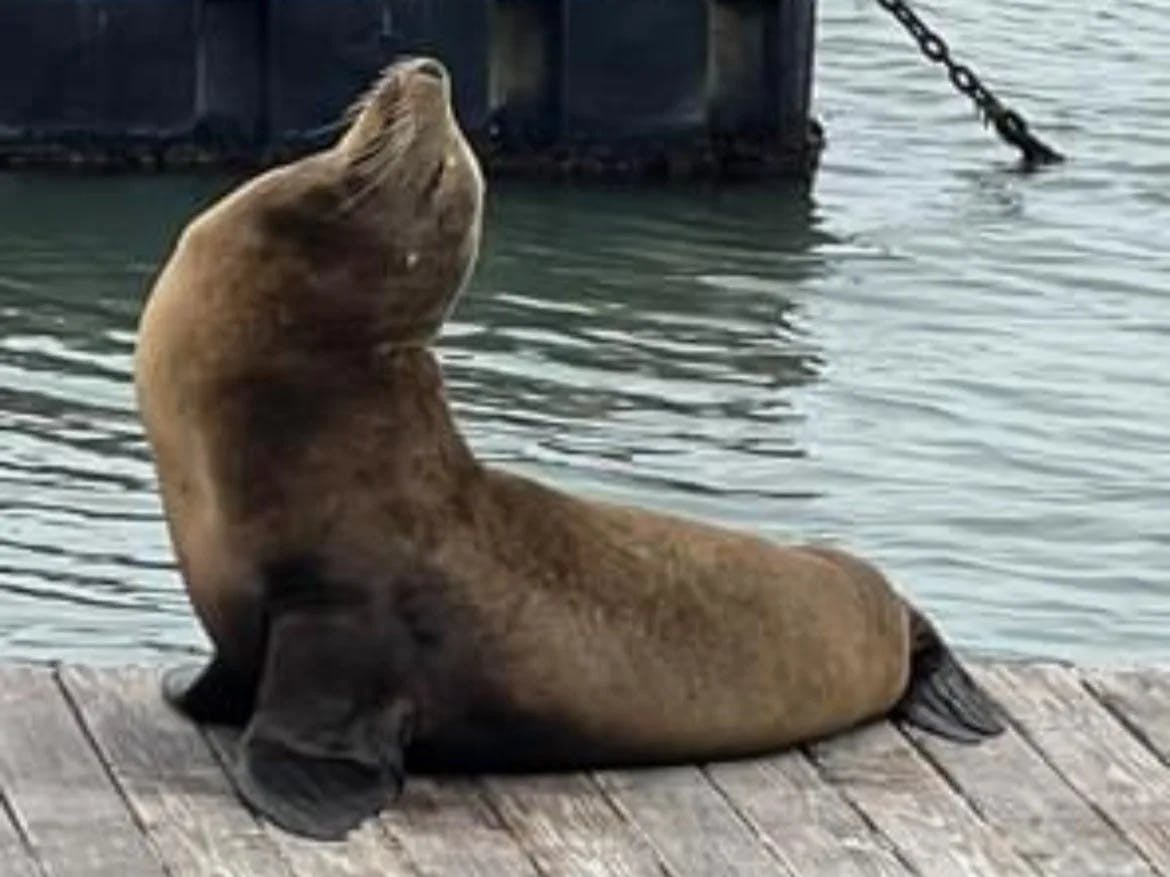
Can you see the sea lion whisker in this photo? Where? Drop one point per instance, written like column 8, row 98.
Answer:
column 372, row 184
column 376, row 162
column 400, row 134
column 363, row 100
column 399, row 117
column 386, row 146
column 373, row 178
column 362, row 163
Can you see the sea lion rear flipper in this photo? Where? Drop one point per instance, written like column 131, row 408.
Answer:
column 324, row 749
column 941, row 697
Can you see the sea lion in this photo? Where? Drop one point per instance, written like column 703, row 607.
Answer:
column 377, row 598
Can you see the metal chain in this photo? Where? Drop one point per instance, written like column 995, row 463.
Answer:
column 1009, row 124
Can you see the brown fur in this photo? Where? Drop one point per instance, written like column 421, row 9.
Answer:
column 303, row 442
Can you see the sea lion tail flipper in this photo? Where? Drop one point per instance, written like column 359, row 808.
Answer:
column 941, row 697
column 324, row 748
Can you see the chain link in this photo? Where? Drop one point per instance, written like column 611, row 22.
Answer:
column 1009, row 124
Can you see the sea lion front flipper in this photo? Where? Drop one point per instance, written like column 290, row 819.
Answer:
column 941, row 697
column 324, row 749
column 211, row 694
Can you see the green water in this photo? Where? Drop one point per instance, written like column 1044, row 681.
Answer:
column 962, row 372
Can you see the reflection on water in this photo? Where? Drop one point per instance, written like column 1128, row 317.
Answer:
column 960, row 371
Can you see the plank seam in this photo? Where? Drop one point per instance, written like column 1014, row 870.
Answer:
column 949, row 779
column 387, row 835
column 495, row 798
column 485, row 797
column 135, row 817
column 889, row 842
column 765, row 840
column 393, row 843
column 944, row 774
column 8, row 811
column 1135, row 730
column 1113, row 824
column 627, row 817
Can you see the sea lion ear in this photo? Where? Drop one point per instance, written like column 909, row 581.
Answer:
column 324, row 749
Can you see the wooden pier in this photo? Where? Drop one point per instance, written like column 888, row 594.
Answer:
column 98, row 777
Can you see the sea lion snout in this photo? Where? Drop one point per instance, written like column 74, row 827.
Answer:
column 430, row 67
column 411, row 80
column 409, row 102
column 422, row 79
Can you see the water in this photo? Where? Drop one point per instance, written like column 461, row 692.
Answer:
column 962, row 372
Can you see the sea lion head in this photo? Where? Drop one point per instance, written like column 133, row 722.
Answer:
column 412, row 191
column 361, row 247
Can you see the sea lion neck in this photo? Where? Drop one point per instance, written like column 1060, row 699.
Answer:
column 415, row 415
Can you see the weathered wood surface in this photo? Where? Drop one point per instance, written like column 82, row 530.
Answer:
column 168, row 776
column 58, row 788
column 1096, row 754
column 431, row 813
column 880, row 772
column 15, row 856
column 1010, row 785
column 98, row 777
column 808, row 824
column 688, row 822
column 569, row 828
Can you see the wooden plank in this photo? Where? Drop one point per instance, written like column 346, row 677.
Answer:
column 568, row 827
column 933, row 828
column 447, row 827
column 59, row 790
column 1140, row 699
column 688, row 821
column 805, row 821
column 16, row 858
column 1032, row 807
column 432, row 812
column 365, row 852
column 1091, row 749
column 169, row 776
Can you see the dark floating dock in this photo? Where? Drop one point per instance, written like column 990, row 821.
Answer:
column 98, row 777
column 624, row 88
